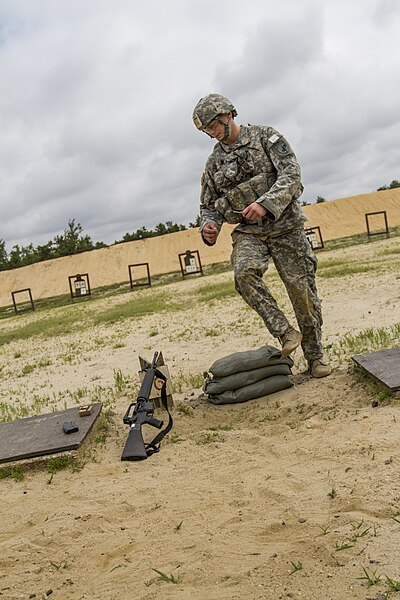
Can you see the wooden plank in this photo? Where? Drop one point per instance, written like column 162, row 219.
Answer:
column 384, row 365
column 43, row 434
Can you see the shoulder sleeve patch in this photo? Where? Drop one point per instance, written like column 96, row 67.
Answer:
column 282, row 147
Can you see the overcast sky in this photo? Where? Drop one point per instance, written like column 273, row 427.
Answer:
column 96, row 98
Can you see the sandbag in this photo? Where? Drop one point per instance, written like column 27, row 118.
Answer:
column 248, row 360
column 250, row 392
column 217, row 385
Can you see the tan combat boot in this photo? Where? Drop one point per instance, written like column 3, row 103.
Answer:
column 290, row 340
column 319, row 368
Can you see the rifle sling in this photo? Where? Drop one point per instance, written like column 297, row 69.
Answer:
column 154, row 445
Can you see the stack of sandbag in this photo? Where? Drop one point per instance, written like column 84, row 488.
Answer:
column 248, row 375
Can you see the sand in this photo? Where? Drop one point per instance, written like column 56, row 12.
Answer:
column 163, row 254
column 295, row 495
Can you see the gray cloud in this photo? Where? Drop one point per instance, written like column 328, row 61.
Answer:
column 96, row 103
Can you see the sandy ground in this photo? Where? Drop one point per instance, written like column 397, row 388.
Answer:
column 295, row 495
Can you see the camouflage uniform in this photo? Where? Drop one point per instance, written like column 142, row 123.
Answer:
column 261, row 166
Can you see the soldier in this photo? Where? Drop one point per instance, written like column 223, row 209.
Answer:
column 252, row 179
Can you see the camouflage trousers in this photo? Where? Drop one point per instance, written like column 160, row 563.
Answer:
column 296, row 264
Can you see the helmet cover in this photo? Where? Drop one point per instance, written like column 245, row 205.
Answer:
column 209, row 107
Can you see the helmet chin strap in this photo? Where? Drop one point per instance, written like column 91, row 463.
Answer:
column 226, row 129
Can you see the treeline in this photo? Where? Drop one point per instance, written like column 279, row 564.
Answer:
column 160, row 229
column 395, row 184
column 73, row 241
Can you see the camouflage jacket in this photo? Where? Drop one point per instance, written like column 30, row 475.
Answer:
column 260, row 166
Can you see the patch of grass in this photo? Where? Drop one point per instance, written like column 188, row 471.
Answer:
column 184, row 409
column 371, row 338
column 119, row 345
column 178, row 527
column 44, row 362
column 397, row 519
column 365, row 341
column 296, row 567
column 175, row 439
column 79, row 317
column 324, row 529
column 370, row 578
column 164, row 577
column 16, row 473
column 19, row 410
column 103, row 431
column 215, row 291
column 210, row 437
column 359, row 531
column 355, row 240
column 216, row 268
column 388, row 251
column 332, row 494
column 348, row 269
column 393, row 584
column 120, row 380
column 182, row 382
column 59, row 463
column 156, row 302
column 60, row 324
column 59, row 566
column 344, row 546
column 26, row 369
column 212, row 332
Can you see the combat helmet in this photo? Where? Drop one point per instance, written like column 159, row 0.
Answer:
column 210, row 107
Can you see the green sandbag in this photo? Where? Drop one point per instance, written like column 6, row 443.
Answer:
column 250, row 392
column 249, row 360
column 217, row 385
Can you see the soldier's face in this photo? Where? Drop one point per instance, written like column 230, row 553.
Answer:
column 216, row 128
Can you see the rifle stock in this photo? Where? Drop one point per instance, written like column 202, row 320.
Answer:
column 134, row 447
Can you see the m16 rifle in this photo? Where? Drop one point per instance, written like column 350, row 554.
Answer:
column 141, row 413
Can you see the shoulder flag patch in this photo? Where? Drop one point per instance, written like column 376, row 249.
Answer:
column 274, row 138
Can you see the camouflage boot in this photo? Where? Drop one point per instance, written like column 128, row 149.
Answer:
column 319, row 368
column 290, row 340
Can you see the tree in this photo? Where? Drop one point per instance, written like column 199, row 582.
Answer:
column 320, row 199
column 14, row 259
column 28, row 255
column 3, row 256
column 196, row 223
column 160, row 229
column 72, row 242
column 45, row 252
column 394, row 184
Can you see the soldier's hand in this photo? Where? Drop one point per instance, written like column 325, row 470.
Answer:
column 210, row 233
column 254, row 211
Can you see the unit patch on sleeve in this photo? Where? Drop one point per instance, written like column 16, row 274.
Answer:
column 282, row 147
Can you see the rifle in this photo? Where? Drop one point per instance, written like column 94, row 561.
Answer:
column 141, row 412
